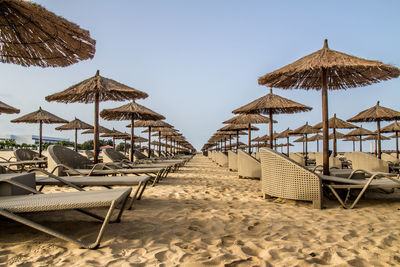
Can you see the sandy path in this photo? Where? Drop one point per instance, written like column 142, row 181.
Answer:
column 205, row 215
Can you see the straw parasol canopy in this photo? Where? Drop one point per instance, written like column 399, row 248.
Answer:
column 284, row 134
column 316, row 137
column 101, row 130
column 95, row 90
column 131, row 111
column 335, row 123
column 375, row 138
column 352, row 138
column 34, row 36
column 248, row 119
column 359, row 132
column 328, row 69
column 376, row 113
column 76, row 125
column 272, row 104
column 238, row 128
column 304, row 130
column 40, row 116
column 4, row 108
column 114, row 133
column 393, row 128
column 150, row 124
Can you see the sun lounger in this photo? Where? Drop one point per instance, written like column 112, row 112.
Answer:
column 368, row 162
column 12, row 206
column 26, row 154
column 21, row 166
column 248, row 167
column 232, row 161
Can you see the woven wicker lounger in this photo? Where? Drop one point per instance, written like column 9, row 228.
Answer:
column 22, row 164
column 10, row 205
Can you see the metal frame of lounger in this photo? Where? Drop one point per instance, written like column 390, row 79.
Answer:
column 63, row 201
column 347, row 183
column 79, row 182
column 21, row 164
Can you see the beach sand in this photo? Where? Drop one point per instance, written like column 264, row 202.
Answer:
column 204, row 215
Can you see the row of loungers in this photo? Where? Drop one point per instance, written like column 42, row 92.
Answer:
column 19, row 194
column 288, row 177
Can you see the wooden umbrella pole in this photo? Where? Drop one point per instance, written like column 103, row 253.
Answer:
column 271, row 137
column 325, row 121
column 125, row 147
column 397, row 144
column 96, row 129
column 354, row 146
column 317, row 145
column 40, row 137
column 159, row 143
column 225, row 144
column 287, row 140
column 230, row 142
column 149, row 142
column 114, row 142
column 378, row 124
column 334, row 142
column 305, row 157
column 76, row 140
column 376, row 151
column 360, row 144
column 132, row 138
column 237, row 140
column 249, row 134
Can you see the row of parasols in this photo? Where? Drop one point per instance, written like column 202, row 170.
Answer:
column 95, row 90
column 322, row 70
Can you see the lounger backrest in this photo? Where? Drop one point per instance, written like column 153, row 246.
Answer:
column 25, row 154
column 62, row 155
column 114, row 155
column 285, row 178
column 139, row 155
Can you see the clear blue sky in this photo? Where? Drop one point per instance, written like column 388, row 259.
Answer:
column 199, row 60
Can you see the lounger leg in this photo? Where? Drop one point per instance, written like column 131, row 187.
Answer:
column 134, row 196
column 141, row 192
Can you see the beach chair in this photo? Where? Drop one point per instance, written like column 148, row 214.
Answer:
column 367, row 162
column 248, row 167
column 63, row 161
column 26, row 154
column 11, row 206
column 221, row 159
column 232, row 161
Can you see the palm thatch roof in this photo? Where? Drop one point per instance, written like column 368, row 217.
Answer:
column 305, row 129
column 240, row 127
column 274, row 103
column 283, row 145
column 151, row 123
column 34, row 36
column 101, row 130
column 127, row 111
column 4, row 108
column 75, row 124
column 301, row 139
column 113, row 133
column 344, row 71
column 163, row 130
column 375, row 137
column 337, row 135
column 38, row 116
column 315, row 137
column 283, row 134
column 376, row 113
column 351, row 138
column 393, row 127
column 248, row 118
column 107, row 89
column 359, row 132
column 336, row 123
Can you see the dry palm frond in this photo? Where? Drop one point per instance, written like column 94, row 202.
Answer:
column 75, row 124
column 376, row 113
column 344, row 71
column 274, row 103
column 4, row 108
column 30, row 35
column 107, row 89
column 39, row 116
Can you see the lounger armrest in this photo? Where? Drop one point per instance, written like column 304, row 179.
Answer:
column 51, row 175
column 22, row 186
column 66, row 167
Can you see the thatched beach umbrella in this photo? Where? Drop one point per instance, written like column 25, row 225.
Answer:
column 33, row 36
column 272, row 104
column 359, row 132
column 95, row 90
column 101, row 130
column 393, row 128
column 40, row 116
column 335, row 123
column 132, row 111
column 248, row 119
column 114, row 133
column 150, row 124
column 284, row 134
column 328, row 69
column 76, row 125
column 304, row 130
column 4, row 108
column 352, row 138
column 376, row 114
column 238, row 128
column 316, row 138
column 375, row 138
